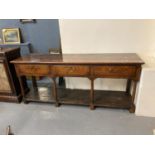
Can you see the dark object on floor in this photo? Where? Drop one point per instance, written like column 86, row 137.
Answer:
column 8, row 130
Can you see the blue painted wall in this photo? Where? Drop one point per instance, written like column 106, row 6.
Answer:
column 43, row 34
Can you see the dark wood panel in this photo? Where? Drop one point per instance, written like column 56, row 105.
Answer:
column 14, row 95
column 10, row 98
column 70, row 70
column 114, row 99
column 76, row 96
column 34, row 70
column 65, row 96
column 114, row 71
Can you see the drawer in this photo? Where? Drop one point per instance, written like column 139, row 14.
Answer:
column 114, row 71
column 69, row 70
column 34, row 70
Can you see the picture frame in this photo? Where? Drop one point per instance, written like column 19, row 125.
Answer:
column 11, row 36
column 24, row 21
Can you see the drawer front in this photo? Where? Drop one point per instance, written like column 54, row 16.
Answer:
column 113, row 71
column 70, row 70
column 34, row 70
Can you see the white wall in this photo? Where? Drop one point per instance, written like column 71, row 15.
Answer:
column 106, row 36
column 101, row 36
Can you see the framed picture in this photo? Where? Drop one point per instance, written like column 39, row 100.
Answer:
column 11, row 36
column 24, row 21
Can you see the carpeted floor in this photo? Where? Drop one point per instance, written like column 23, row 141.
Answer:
column 42, row 118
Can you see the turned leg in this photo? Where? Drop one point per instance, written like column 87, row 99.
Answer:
column 132, row 108
column 55, row 94
column 22, row 89
column 34, row 83
column 92, row 107
column 61, row 81
column 128, row 87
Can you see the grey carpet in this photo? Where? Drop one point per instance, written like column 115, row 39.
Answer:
column 42, row 118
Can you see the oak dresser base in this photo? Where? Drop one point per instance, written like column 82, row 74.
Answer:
column 91, row 66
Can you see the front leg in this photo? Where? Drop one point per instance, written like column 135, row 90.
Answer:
column 92, row 106
column 132, row 107
column 55, row 94
column 22, row 88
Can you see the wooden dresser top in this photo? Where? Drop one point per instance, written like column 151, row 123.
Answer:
column 106, row 58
